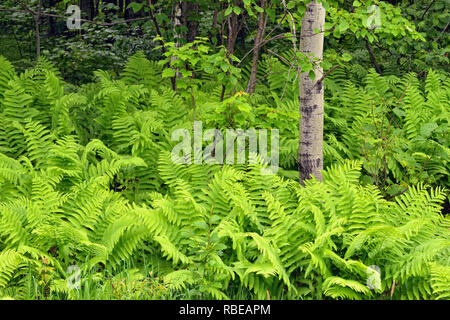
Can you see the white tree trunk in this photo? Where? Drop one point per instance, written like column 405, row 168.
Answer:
column 310, row 155
column 177, row 36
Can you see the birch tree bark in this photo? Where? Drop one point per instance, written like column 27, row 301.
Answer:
column 310, row 154
column 176, row 24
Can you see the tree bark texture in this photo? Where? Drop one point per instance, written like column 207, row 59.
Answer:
column 234, row 26
column 190, row 19
column 310, row 155
column 258, row 39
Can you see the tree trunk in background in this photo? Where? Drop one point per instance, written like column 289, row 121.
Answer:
column 310, row 154
column 37, row 22
column 372, row 58
column 177, row 22
column 52, row 30
column 96, row 7
column 122, row 6
column 259, row 36
column 87, row 6
column 190, row 19
column 214, row 31
column 234, row 26
column 177, row 19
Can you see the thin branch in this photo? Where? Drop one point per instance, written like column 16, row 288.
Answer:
column 44, row 14
column 426, row 10
column 282, row 58
column 326, row 74
column 15, row 10
column 294, row 39
column 442, row 33
column 285, row 83
column 23, row 5
column 262, row 43
column 37, row 18
column 398, row 193
column 98, row 23
column 372, row 58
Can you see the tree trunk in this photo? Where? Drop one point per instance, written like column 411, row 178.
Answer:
column 372, row 58
column 310, row 154
column 259, row 35
column 37, row 22
column 234, row 26
column 122, row 6
column 87, row 7
column 177, row 17
column 52, row 30
column 190, row 19
column 177, row 22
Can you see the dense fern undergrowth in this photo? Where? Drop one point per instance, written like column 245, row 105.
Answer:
column 86, row 180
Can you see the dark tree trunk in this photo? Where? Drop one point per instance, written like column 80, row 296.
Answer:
column 234, row 25
column 52, row 27
column 372, row 58
column 190, row 19
column 122, row 5
column 87, row 7
column 258, row 40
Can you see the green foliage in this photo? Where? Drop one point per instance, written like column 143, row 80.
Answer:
column 398, row 126
column 194, row 57
column 86, row 179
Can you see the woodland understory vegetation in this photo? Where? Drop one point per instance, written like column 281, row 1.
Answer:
column 90, row 197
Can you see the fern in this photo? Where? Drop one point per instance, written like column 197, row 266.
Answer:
column 86, row 179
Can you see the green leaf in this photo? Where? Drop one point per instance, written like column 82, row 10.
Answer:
column 328, row 25
column 343, row 26
column 200, row 225
column 135, row 6
column 186, row 73
column 290, row 5
column 399, row 112
column 168, row 73
column 326, row 65
column 208, row 69
column 346, row 57
column 259, row 9
column 244, row 107
column 228, row 11
column 225, row 67
column 427, row 128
